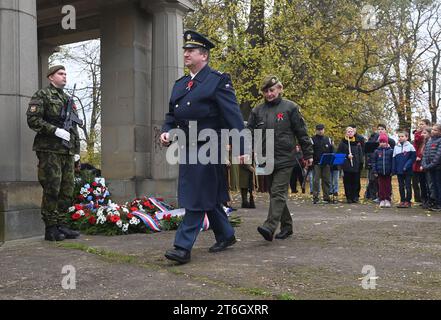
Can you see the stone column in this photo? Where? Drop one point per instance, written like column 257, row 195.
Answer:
column 167, row 67
column 126, row 91
column 20, row 194
column 44, row 52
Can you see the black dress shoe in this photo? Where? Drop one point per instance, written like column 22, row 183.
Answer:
column 220, row 246
column 283, row 234
column 266, row 233
column 68, row 233
column 179, row 255
column 245, row 204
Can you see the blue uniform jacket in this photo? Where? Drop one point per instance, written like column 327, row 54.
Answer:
column 211, row 101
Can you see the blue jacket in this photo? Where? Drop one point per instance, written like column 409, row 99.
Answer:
column 403, row 158
column 382, row 159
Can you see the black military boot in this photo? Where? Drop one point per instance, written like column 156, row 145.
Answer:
column 244, row 194
column 252, row 204
column 68, row 233
column 52, row 234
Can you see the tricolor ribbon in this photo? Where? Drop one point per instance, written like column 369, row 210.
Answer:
column 148, row 220
column 206, row 223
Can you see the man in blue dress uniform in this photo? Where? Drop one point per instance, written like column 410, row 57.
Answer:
column 206, row 96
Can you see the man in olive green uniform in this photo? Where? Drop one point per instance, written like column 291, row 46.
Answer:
column 282, row 116
column 56, row 161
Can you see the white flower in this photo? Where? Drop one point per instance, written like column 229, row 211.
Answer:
column 81, row 212
column 100, row 211
column 119, row 223
column 125, row 227
column 101, row 219
column 134, row 221
column 125, row 210
column 71, row 209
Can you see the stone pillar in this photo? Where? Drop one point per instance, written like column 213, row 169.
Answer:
column 141, row 59
column 20, row 194
column 44, row 53
column 167, row 67
column 126, row 91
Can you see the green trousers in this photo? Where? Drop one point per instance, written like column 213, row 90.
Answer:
column 322, row 173
column 278, row 210
column 56, row 176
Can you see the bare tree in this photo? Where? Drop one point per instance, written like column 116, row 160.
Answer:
column 86, row 57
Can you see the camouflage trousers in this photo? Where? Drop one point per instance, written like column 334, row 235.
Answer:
column 56, row 176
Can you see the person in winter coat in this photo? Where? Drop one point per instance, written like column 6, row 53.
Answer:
column 419, row 143
column 432, row 163
column 404, row 157
column 382, row 169
column 352, row 165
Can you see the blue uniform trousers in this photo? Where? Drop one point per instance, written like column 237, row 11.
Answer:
column 191, row 226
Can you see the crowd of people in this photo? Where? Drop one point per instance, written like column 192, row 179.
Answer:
column 416, row 164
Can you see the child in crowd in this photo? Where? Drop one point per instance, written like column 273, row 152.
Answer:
column 431, row 163
column 403, row 158
column 382, row 168
column 422, row 176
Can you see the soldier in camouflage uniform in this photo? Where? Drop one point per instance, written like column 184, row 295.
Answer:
column 56, row 162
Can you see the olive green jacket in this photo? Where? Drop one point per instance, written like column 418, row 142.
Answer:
column 44, row 117
column 284, row 117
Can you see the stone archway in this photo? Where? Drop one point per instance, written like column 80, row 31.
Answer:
column 140, row 42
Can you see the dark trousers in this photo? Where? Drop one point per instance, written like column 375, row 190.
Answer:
column 193, row 221
column 372, row 187
column 405, row 184
column 435, row 176
column 278, row 211
column 416, row 185
column 384, row 187
column 296, row 175
column 351, row 182
column 423, row 185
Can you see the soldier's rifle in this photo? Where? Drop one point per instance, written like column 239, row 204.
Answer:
column 70, row 117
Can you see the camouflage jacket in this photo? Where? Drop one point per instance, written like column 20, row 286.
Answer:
column 44, row 117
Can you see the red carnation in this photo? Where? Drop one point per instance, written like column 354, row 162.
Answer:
column 76, row 216
column 115, row 218
column 167, row 216
column 130, row 216
column 80, row 197
column 90, row 189
column 133, row 209
column 94, row 184
column 78, row 207
column 92, row 220
column 147, row 204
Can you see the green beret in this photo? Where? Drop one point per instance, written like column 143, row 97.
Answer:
column 54, row 69
column 269, row 82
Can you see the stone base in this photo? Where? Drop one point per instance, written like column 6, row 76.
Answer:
column 122, row 191
column 20, row 215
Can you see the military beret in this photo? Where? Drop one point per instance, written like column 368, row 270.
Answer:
column 319, row 127
column 54, row 69
column 192, row 39
column 268, row 82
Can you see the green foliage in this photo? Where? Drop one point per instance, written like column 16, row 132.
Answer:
column 336, row 70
